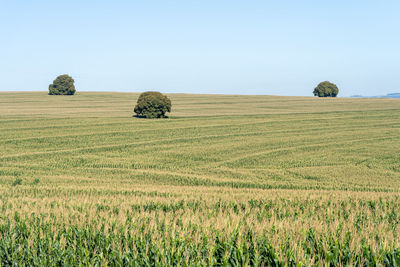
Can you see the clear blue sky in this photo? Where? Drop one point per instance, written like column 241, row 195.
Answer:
column 204, row 46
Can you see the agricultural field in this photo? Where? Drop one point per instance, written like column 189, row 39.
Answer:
column 226, row 180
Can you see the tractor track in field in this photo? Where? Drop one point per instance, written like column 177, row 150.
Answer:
column 284, row 149
column 169, row 140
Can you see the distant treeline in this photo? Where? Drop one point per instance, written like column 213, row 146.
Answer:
column 393, row 95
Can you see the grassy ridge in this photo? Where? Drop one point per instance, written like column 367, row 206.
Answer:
column 302, row 179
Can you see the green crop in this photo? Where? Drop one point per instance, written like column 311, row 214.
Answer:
column 224, row 181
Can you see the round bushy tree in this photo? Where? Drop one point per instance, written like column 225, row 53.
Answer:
column 325, row 89
column 152, row 105
column 62, row 85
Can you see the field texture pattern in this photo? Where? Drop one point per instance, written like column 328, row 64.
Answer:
column 224, row 181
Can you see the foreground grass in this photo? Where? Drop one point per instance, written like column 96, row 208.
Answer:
column 237, row 180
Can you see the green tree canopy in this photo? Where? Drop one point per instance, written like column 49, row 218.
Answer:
column 152, row 105
column 326, row 89
column 62, row 85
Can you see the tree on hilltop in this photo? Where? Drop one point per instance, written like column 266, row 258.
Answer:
column 326, row 89
column 62, row 85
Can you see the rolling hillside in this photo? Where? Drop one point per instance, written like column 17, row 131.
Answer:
column 289, row 178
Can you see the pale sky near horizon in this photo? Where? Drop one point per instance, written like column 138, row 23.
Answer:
column 229, row 47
